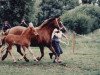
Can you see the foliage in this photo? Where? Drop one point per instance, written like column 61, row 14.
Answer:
column 99, row 2
column 51, row 8
column 33, row 10
column 82, row 19
column 15, row 10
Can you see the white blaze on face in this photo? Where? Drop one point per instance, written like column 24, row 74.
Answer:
column 31, row 24
column 57, row 22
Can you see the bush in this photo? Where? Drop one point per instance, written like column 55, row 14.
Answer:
column 83, row 19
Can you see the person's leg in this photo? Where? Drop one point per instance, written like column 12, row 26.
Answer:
column 58, row 51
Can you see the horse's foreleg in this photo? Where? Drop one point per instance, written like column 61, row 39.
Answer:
column 24, row 54
column 32, row 54
column 53, row 51
column 19, row 51
column 42, row 53
column 10, row 52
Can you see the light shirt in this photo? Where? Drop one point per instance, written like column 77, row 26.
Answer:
column 59, row 34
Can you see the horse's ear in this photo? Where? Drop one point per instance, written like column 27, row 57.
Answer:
column 31, row 24
column 51, row 19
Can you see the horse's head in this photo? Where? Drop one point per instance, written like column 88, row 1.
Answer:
column 56, row 23
column 33, row 31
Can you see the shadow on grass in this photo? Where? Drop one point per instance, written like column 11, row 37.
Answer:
column 31, row 63
column 82, row 54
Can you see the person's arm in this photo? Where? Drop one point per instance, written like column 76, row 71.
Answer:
column 63, row 42
column 65, row 36
column 66, row 39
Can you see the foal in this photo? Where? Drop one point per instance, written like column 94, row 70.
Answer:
column 23, row 40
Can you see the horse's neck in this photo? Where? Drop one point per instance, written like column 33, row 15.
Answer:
column 26, row 35
column 48, row 29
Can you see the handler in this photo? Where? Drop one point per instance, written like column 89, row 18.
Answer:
column 56, row 39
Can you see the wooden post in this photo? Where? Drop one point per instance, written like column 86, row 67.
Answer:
column 73, row 42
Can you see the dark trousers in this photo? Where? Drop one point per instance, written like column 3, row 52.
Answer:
column 57, row 47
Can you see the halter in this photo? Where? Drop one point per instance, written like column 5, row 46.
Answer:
column 57, row 23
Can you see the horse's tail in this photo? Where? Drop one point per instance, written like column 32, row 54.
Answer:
column 2, row 41
column 7, row 31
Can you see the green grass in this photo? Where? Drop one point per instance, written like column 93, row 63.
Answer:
column 85, row 60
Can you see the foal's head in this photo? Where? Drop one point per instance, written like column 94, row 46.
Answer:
column 32, row 31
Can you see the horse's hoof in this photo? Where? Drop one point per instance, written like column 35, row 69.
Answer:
column 38, row 58
column 19, row 59
column 26, row 60
column 2, row 58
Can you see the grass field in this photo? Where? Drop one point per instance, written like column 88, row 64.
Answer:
column 85, row 60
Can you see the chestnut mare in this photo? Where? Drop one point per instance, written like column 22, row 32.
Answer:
column 23, row 40
column 44, row 38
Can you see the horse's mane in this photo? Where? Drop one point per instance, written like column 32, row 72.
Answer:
column 25, row 31
column 45, row 22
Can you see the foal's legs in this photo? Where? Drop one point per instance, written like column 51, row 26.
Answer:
column 6, row 54
column 9, row 51
column 19, row 51
column 24, row 48
column 32, row 54
column 42, row 53
column 24, row 54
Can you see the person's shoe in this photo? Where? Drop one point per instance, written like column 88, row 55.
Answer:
column 57, row 61
column 50, row 54
column 60, row 61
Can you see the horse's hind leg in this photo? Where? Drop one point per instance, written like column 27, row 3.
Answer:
column 19, row 51
column 53, row 51
column 42, row 53
column 9, row 51
column 6, row 54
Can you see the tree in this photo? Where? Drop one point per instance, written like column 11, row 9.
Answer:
column 83, row 19
column 17, row 10
column 51, row 8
